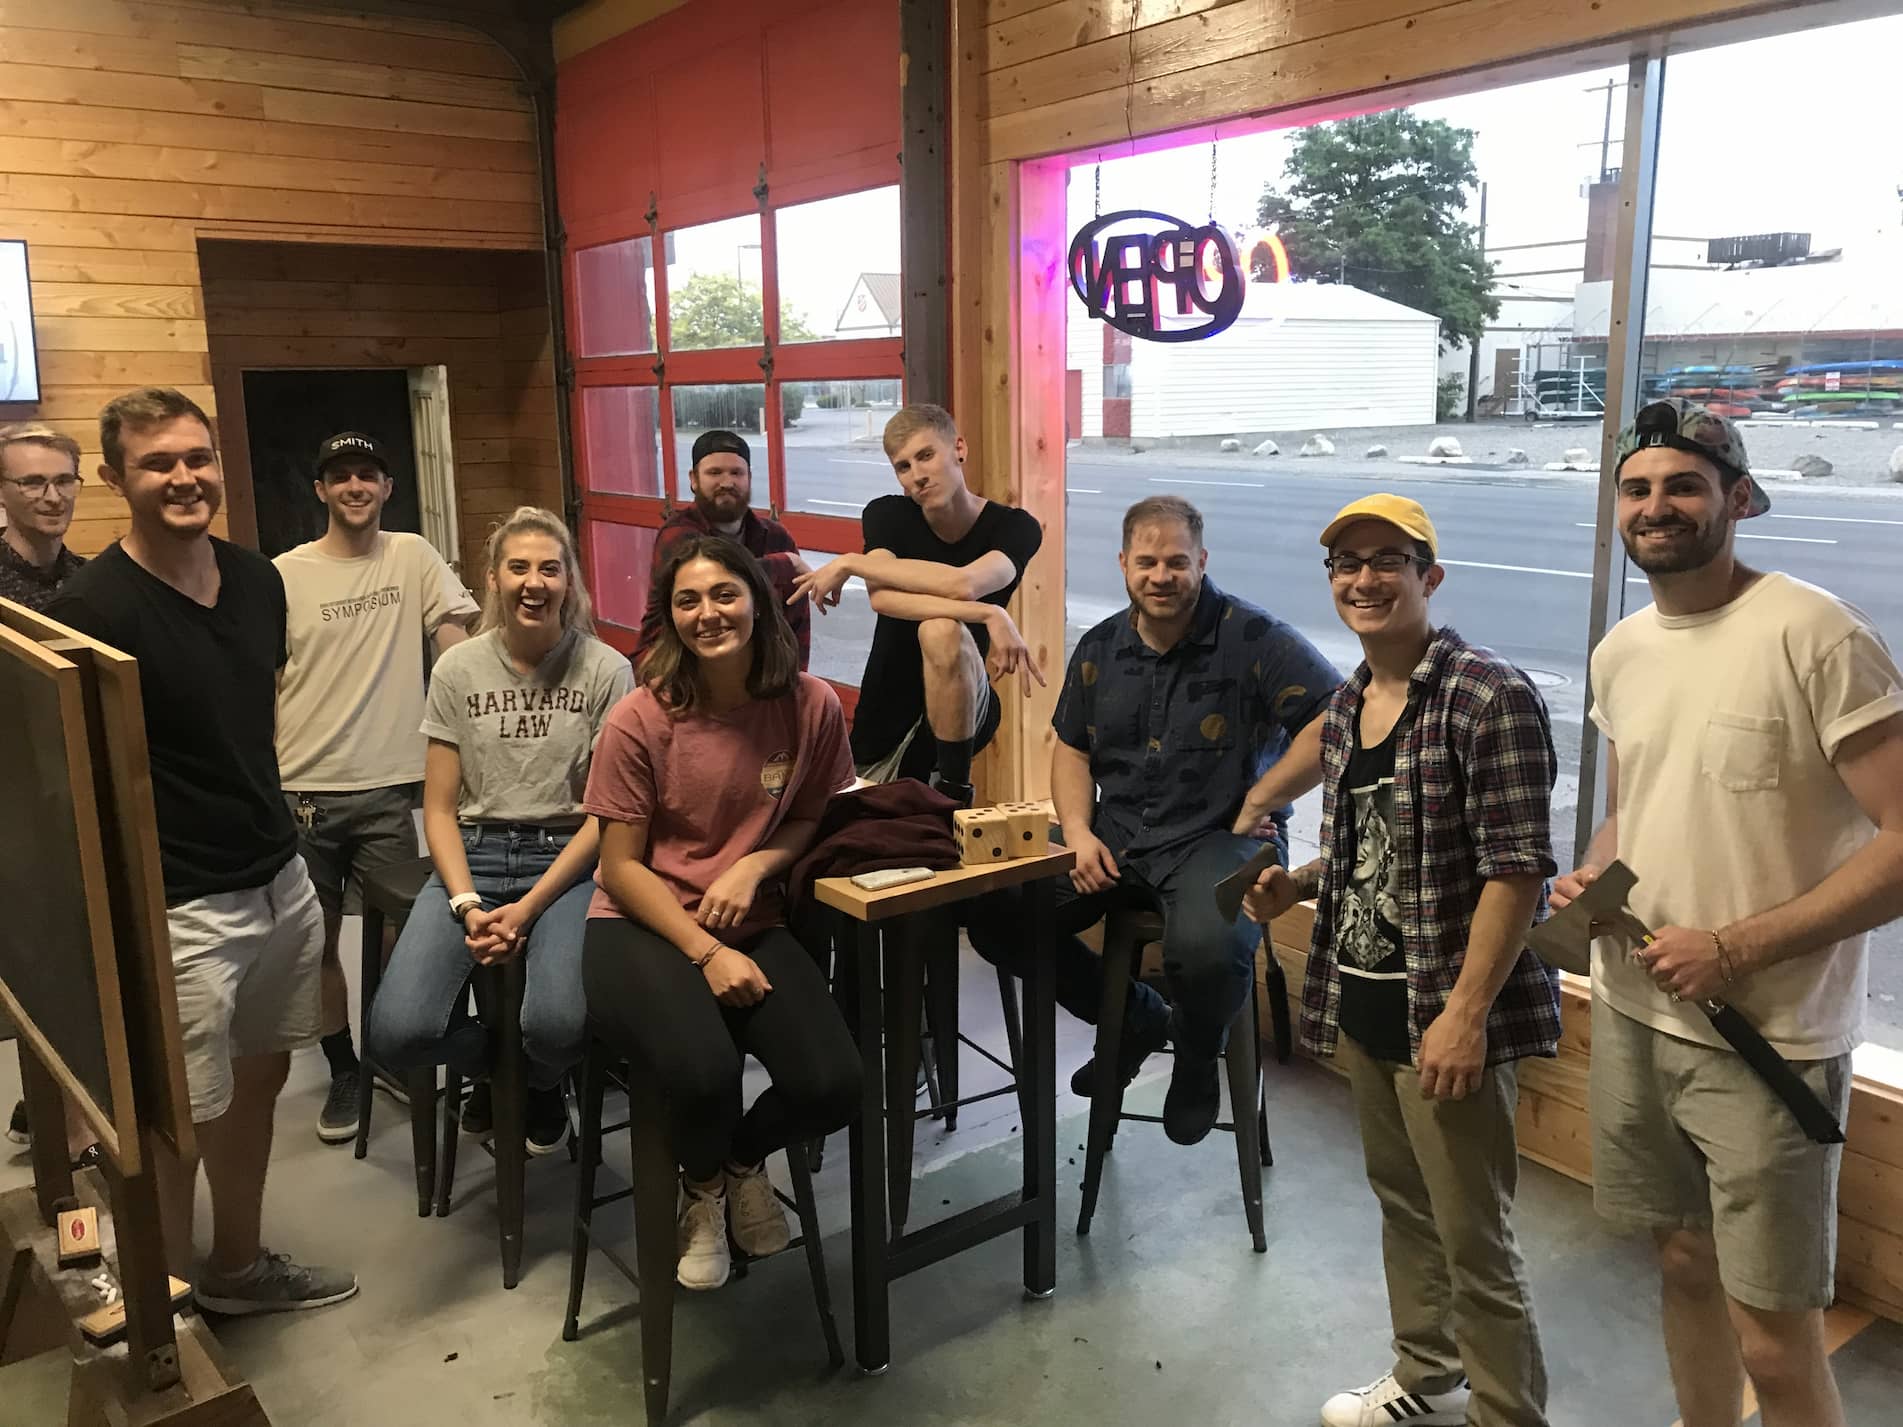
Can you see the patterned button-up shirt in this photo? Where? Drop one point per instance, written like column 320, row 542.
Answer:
column 1473, row 784
column 1176, row 739
column 25, row 583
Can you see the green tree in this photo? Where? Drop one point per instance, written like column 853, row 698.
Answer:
column 719, row 310
column 1376, row 201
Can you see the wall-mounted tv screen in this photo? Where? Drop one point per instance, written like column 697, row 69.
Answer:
column 19, row 359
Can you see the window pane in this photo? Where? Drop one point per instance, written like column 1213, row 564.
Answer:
column 843, row 637
column 621, row 436
column 1374, row 220
column 618, row 559
column 614, row 299
column 835, row 461
column 736, row 408
column 839, row 267
column 713, row 285
column 1786, row 313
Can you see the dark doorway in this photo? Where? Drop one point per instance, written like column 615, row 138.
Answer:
column 287, row 413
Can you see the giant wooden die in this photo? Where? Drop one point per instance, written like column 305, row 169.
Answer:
column 998, row 834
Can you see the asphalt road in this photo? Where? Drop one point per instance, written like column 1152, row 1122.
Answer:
column 1518, row 549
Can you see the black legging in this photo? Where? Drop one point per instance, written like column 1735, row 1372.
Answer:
column 649, row 1002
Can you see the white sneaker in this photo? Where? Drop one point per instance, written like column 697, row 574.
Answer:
column 1384, row 1402
column 759, row 1223
column 701, row 1236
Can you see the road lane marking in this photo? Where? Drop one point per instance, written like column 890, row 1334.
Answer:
column 1839, row 519
column 1185, row 481
column 1519, row 569
column 856, row 461
column 842, row 504
column 1082, row 490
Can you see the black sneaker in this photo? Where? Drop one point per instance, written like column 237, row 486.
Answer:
column 547, row 1116
column 1195, row 1095
column 479, row 1113
column 17, row 1129
column 337, row 1121
column 1137, row 1047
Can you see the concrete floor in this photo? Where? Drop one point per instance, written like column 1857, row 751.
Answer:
column 1163, row 1315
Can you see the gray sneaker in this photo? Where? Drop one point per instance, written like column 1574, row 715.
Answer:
column 273, row 1284
column 337, row 1121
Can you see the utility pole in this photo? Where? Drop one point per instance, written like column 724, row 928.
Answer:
column 1605, row 133
column 1473, row 353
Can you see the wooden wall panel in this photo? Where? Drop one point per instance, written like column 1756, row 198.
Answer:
column 133, row 130
column 478, row 313
column 1555, row 1130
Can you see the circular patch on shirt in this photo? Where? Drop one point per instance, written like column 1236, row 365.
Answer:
column 1087, row 671
column 777, row 772
column 1287, row 699
column 1214, row 727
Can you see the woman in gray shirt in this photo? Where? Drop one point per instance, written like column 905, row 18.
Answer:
column 512, row 721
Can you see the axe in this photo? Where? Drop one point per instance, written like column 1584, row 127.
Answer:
column 1230, row 891
column 1565, row 940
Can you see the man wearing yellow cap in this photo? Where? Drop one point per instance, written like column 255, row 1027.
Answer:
column 1437, row 782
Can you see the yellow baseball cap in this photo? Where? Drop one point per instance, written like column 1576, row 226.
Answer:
column 1403, row 514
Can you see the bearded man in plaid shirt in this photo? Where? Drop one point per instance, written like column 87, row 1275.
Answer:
column 1438, row 772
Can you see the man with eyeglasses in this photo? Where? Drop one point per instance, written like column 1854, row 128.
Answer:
column 1437, row 782
column 1754, row 774
column 362, row 600
column 206, row 621
column 1171, row 712
column 39, row 490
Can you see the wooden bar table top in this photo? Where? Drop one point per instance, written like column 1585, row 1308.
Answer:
column 877, row 1258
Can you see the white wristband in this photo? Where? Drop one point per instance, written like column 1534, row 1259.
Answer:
column 460, row 904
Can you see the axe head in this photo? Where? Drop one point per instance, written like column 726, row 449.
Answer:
column 1565, row 938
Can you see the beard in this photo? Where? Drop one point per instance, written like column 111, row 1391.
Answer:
column 1695, row 547
column 722, row 508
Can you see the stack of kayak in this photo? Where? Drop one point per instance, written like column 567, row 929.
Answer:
column 1868, row 388
column 1728, row 390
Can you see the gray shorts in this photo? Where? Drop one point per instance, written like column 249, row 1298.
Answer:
column 342, row 836
column 246, row 966
column 1687, row 1136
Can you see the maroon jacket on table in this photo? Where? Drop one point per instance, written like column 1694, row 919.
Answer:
column 900, row 824
column 766, row 540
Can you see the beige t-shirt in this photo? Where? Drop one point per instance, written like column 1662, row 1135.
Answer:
column 1725, row 724
column 350, row 701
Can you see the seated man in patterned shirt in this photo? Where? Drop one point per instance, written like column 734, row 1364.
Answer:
column 1170, row 713
column 1436, row 845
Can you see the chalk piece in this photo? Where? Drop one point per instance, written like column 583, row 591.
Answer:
column 983, row 836
column 78, row 1236
column 102, row 1325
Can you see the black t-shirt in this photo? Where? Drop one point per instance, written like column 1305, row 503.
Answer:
column 1368, row 939
column 208, row 678
column 892, row 691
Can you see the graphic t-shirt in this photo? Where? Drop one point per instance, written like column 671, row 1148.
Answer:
column 1368, row 937
column 353, row 690
column 207, row 678
column 892, row 691
column 1726, row 725
column 525, row 740
column 712, row 788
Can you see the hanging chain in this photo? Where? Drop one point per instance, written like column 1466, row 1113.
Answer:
column 1097, row 204
column 1212, row 180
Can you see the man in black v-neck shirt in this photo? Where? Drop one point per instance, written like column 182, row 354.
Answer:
column 941, row 563
column 206, row 621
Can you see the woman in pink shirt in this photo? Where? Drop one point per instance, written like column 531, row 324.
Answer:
column 709, row 780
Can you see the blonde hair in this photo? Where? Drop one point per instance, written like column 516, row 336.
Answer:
column 578, row 610
column 38, row 433
column 908, row 421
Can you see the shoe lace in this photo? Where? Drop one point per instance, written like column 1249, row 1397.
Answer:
column 701, row 1218
column 752, row 1195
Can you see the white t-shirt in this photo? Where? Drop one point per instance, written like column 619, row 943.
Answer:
column 351, row 697
column 1725, row 724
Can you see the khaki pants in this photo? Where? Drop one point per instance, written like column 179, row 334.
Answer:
column 1445, row 1172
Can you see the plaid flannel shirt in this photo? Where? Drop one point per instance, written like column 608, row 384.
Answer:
column 1473, row 782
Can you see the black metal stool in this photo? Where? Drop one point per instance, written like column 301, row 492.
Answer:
column 655, row 1196
column 1126, row 932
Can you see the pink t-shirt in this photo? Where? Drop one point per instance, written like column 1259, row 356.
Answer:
column 712, row 788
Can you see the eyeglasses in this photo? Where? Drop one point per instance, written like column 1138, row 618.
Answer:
column 35, row 486
column 1388, row 562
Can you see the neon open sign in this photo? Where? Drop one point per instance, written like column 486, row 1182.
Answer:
column 1136, row 267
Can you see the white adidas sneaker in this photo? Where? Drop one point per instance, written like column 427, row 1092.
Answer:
column 705, row 1260
column 1384, row 1402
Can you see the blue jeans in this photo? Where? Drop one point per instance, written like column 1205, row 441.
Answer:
column 420, row 1018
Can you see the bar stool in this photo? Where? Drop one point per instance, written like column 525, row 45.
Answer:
column 388, row 894
column 1126, row 932
column 655, row 1194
